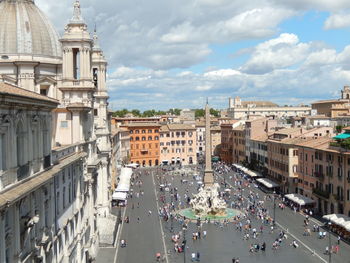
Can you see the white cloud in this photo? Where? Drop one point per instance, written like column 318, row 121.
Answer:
column 337, row 20
column 203, row 87
column 146, row 44
column 281, row 52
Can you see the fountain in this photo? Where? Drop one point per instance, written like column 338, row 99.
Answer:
column 207, row 204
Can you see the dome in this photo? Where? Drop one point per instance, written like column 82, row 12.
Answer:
column 24, row 29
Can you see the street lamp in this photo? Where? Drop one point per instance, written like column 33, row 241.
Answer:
column 184, row 241
column 274, row 208
column 329, row 243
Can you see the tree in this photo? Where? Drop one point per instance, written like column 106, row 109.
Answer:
column 215, row 113
column 136, row 112
column 199, row 113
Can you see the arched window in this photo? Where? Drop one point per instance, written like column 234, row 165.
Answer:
column 137, row 138
column 156, row 138
column 150, row 138
column 143, row 138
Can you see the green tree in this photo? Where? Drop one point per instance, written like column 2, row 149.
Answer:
column 136, row 112
column 199, row 113
column 214, row 112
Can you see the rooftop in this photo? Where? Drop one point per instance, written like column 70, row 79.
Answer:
column 142, row 124
column 8, row 89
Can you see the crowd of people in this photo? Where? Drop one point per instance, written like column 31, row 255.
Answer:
column 255, row 225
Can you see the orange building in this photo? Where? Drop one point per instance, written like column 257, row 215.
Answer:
column 144, row 143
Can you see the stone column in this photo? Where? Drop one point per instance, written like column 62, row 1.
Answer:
column 2, row 237
column 16, row 234
column 76, row 129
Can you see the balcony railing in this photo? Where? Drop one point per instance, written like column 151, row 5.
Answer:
column 320, row 193
column 22, row 171
column 319, row 175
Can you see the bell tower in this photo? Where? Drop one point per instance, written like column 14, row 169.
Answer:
column 77, row 84
column 345, row 93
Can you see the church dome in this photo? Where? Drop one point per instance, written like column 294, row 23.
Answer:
column 25, row 30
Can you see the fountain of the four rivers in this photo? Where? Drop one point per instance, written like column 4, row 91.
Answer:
column 207, row 204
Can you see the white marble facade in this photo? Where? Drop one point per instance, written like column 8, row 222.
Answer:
column 55, row 147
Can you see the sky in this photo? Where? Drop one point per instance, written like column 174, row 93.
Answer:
column 176, row 53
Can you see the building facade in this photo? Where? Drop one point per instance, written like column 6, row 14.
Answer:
column 144, row 143
column 241, row 110
column 178, row 144
column 55, row 179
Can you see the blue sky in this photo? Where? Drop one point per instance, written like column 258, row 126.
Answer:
column 175, row 53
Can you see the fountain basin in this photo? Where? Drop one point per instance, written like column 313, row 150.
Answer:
column 229, row 214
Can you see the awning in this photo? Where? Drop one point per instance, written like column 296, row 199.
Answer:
column 119, row 196
column 299, row 199
column 267, row 183
column 342, row 136
column 339, row 219
column 124, row 180
column 132, row 165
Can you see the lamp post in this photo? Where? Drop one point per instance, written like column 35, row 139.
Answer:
column 329, row 243
column 274, row 208
column 184, row 241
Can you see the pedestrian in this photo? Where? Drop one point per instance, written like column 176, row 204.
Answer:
column 193, row 257
column 204, row 233
column 338, row 240
column 198, row 256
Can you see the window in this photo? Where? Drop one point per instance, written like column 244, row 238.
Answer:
column 156, row 131
column 137, row 131
column 44, row 90
column 137, row 138
column 95, row 112
column 131, row 132
column 131, row 138
column 156, row 138
column 64, row 124
column 143, row 131
column 150, row 138
column 143, row 138
column 149, row 131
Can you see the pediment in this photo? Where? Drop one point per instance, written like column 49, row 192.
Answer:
column 46, row 81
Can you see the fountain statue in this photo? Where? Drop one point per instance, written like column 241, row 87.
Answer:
column 207, row 201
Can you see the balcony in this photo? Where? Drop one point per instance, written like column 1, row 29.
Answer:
column 319, row 175
column 22, row 171
column 320, row 193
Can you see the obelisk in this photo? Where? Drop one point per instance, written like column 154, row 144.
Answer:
column 208, row 172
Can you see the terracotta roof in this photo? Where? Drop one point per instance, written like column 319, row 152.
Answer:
column 287, row 131
column 180, row 126
column 142, row 124
column 315, row 142
column 329, row 101
column 259, row 103
column 164, row 128
column 9, row 89
column 260, row 138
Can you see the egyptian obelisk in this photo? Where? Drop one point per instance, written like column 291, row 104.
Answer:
column 208, row 172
